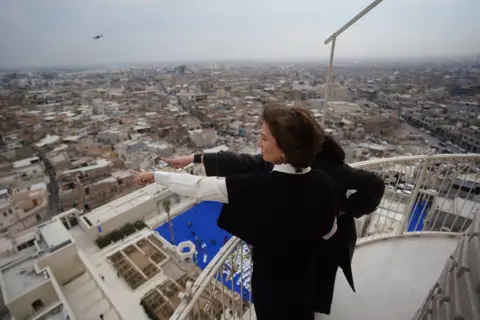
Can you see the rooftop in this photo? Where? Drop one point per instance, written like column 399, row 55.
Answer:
column 21, row 277
column 25, row 162
column 38, row 186
column 458, row 206
column 121, row 174
column 123, row 204
column 55, row 235
column 47, row 140
column 100, row 163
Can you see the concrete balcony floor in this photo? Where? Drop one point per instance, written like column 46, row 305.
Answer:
column 392, row 278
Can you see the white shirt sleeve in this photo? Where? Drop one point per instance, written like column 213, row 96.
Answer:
column 204, row 188
column 199, row 187
column 332, row 231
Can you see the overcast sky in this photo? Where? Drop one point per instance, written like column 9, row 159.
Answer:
column 58, row 32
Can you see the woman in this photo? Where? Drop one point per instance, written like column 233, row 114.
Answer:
column 331, row 158
column 285, row 214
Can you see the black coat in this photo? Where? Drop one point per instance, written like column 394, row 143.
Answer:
column 369, row 192
column 275, row 196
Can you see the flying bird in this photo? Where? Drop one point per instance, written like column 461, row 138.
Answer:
column 97, row 37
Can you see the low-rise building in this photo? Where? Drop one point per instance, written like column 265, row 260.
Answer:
column 24, row 208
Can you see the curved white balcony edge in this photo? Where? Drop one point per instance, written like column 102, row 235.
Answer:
column 419, row 171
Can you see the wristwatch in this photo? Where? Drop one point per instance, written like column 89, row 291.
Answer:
column 197, row 158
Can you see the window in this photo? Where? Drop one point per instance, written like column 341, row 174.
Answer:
column 4, row 214
column 37, row 305
column 9, row 210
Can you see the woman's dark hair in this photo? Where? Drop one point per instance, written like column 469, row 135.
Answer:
column 331, row 151
column 296, row 132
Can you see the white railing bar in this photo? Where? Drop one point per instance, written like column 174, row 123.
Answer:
column 205, row 277
column 223, row 287
column 353, row 20
column 413, row 199
column 241, row 281
column 329, row 79
column 364, row 241
column 367, row 163
column 445, row 197
column 333, row 39
column 467, row 196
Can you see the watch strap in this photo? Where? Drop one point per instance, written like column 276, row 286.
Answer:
column 197, row 158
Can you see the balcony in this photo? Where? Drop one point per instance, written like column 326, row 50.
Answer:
column 420, row 247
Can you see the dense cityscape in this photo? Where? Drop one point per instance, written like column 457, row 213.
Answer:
column 70, row 139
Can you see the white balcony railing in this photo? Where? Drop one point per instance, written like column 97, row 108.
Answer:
column 434, row 194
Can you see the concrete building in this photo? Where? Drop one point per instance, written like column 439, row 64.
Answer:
column 161, row 149
column 203, row 137
column 55, row 271
column 337, row 92
column 25, row 172
column 91, row 186
column 27, row 169
column 112, row 136
column 24, row 208
column 35, row 285
column 48, row 141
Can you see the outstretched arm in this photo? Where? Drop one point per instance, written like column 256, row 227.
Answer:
column 198, row 187
column 242, row 189
column 223, row 164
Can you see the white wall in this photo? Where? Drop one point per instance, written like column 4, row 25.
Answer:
column 21, row 307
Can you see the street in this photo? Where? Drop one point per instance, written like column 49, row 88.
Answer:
column 52, row 185
column 432, row 141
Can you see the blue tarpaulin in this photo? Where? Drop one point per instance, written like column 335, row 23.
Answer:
column 199, row 225
column 418, row 215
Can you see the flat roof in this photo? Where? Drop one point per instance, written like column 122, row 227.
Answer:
column 47, row 140
column 123, row 204
column 140, row 127
column 121, row 173
column 38, row 186
column 468, row 178
column 55, row 234
column 161, row 145
column 25, row 162
column 21, row 277
column 100, row 164
column 457, row 206
column 60, row 147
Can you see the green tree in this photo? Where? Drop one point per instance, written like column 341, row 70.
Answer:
column 167, row 205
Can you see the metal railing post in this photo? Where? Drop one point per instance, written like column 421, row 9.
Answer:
column 413, row 199
column 329, row 79
column 333, row 39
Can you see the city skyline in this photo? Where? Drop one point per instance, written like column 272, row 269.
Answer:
column 54, row 33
